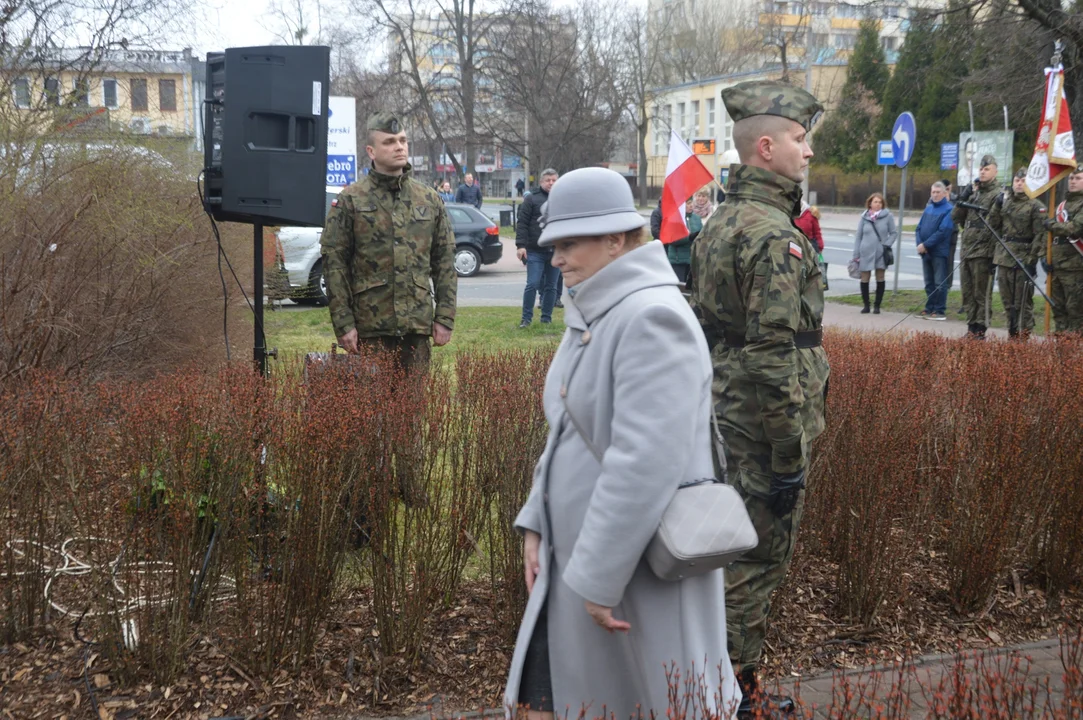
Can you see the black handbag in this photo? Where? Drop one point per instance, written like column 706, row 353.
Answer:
column 889, row 255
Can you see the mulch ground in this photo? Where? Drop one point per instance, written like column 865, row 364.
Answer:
column 53, row 675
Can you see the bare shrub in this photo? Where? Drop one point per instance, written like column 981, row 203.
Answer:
column 108, row 265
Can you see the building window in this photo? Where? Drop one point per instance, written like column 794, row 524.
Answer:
column 80, row 92
column 52, row 91
column 657, row 115
column 889, row 43
column 710, row 118
column 727, row 132
column 694, row 130
column 680, row 120
column 139, row 94
column 845, row 42
column 667, row 119
column 167, row 95
column 21, row 91
column 109, row 93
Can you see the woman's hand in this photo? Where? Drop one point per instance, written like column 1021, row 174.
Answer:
column 531, row 543
column 604, row 617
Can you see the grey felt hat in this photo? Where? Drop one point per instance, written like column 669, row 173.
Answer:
column 588, row 202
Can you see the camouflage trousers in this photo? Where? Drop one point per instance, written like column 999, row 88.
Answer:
column 414, row 351
column 975, row 274
column 1017, row 295
column 752, row 579
column 1067, row 299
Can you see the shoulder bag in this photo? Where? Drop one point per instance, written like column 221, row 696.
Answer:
column 889, row 255
column 705, row 526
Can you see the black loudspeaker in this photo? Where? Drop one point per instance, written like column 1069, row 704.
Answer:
column 265, row 134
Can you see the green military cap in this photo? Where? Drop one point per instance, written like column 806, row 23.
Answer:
column 988, row 160
column 1021, row 173
column 762, row 97
column 383, row 121
column 1078, row 169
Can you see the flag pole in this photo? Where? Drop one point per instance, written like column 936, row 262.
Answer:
column 1049, row 256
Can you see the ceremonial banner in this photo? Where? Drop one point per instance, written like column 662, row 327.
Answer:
column 685, row 174
column 1054, row 150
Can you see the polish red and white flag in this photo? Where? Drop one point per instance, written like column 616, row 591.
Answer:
column 1054, row 150
column 685, row 174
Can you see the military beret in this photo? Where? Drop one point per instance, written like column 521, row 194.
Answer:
column 1077, row 169
column 761, row 97
column 383, row 121
column 1021, row 173
column 988, row 160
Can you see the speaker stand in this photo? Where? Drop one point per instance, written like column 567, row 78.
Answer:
column 259, row 350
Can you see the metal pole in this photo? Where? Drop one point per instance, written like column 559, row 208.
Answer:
column 259, row 351
column 1005, row 118
column 898, row 247
column 885, row 186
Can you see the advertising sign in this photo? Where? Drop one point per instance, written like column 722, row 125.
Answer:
column 974, row 146
column 341, row 141
column 949, row 156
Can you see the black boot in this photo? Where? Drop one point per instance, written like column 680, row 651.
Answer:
column 753, row 698
column 865, row 297
column 880, row 287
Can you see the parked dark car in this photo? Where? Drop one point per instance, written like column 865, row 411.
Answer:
column 477, row 239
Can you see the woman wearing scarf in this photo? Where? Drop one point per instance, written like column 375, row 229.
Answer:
column 875, row 231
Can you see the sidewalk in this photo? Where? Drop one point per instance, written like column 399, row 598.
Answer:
column 849, row 317
column 933, row 681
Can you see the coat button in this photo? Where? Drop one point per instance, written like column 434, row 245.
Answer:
column 585, row 338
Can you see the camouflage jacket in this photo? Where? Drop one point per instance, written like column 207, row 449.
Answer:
column 976, row 240
column 1019, row 222
column 757, row 280
column 1069, row 225
column 384, row 238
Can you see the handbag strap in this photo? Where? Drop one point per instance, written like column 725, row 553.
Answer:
column 875, row 230
column 719, row 443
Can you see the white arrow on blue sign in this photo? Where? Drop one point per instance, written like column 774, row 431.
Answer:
column 903, row 138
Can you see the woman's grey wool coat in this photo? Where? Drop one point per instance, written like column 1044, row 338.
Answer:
column 642, row 390
column 868, row 249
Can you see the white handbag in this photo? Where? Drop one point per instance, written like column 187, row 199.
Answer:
column 704, row 527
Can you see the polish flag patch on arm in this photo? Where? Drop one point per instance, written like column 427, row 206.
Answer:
column 795, row 250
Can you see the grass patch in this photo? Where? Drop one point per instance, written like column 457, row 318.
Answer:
column 913, row 301
column 484, row 329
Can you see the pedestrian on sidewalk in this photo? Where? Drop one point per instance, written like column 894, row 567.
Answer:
column 679, row 252
column 808, row 222
column 933, row 239
column 875, row 232
column 469, row 193
column 628, row 400
column 541, row 276
column 445, row 193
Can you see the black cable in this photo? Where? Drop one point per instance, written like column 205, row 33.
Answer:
column 221, row 254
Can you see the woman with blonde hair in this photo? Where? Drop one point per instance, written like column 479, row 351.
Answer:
column 628, row 401
column 875, row 234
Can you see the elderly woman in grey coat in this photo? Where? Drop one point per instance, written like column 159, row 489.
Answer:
column 630, row 384
column 875, row 231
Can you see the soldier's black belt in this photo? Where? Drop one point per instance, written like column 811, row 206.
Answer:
column 802, row 340
column 1018, row 239
column 1064, row 240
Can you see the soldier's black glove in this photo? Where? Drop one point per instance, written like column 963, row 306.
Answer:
column 784, row 491
column 1032, row 269
column 966, row 192
column 1000, row 200
column 1048, row 223
column 1046, row 266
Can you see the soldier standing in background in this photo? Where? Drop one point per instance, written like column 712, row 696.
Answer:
column 1018, row 219
column 386, row 236
column 975, row 270
column 1067, row 268
column 759, row 297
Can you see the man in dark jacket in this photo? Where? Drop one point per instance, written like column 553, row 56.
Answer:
column 540, row 273
column 933, row 238
column 656, row 221
column 469, row 193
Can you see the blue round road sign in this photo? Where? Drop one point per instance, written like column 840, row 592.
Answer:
column 903, row 138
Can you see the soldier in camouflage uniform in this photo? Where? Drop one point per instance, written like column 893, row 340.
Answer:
column 386, row 236
column 976, row 256
column 1018, row 219
column 759, row 296
column 1066, row 269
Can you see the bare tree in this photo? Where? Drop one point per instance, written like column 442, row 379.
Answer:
column 783, row 36
column 294, row 22
column 446, row 95
column 708, row 39
column 644, row 69
column 553, row 74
